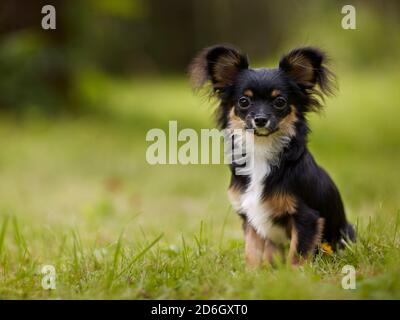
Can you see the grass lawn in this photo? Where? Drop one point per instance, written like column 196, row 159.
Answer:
column 77, row 193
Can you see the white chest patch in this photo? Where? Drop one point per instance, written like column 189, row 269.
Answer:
column 265, row 154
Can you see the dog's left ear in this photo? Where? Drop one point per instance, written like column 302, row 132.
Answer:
column 219, row 64
column 307, row 67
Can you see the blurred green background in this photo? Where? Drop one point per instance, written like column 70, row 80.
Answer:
column 76, row 104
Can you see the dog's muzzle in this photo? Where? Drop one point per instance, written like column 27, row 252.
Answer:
column 263, row 125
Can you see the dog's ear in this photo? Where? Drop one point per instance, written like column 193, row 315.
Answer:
column 218, row 64
column 307, row 67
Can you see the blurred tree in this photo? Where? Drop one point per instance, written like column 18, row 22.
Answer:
column 44, row 68
column 34, row 65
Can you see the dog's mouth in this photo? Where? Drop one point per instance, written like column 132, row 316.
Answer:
column 263, row 132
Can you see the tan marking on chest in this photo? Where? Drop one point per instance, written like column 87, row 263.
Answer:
column 280, row 204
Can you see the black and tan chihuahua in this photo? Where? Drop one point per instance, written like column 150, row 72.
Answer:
column 286, row 197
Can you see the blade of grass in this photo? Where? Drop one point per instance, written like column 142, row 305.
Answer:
column 115, row 260
column 76, row 258
column 199, row 239
column 19, row 239
column 396, row 227
column 221, row 237
column 3, row 232
column 184, row 251
column 140, row 254
column 78, row 249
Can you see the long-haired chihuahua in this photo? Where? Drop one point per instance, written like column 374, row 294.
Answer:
column 287, row 197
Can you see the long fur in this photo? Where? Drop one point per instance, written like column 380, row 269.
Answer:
column 287, row 195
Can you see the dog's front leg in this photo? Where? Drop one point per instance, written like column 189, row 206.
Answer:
column 258, row 250
column 306, row 233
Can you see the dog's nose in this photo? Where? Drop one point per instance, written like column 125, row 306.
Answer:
column 260, row 121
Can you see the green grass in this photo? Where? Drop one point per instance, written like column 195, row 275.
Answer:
column 77, row 193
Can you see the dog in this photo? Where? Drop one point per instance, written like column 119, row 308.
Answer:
column 286, row 198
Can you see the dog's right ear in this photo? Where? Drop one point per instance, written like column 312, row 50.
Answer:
column 218, row 64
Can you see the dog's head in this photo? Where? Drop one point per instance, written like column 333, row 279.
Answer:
column 266, row 100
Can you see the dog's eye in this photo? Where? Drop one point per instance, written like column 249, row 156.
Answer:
column 280, row 103
column 244, row 102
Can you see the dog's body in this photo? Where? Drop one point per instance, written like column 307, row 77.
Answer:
column 286, row 196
